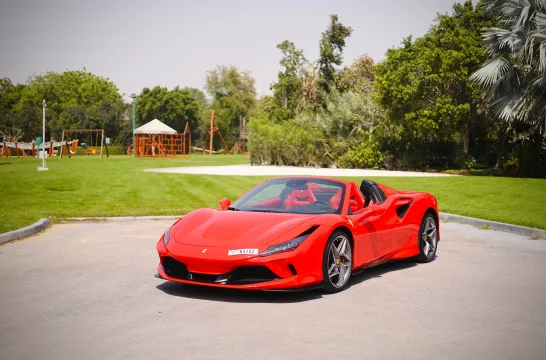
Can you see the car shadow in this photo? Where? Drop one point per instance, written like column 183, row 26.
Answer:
column 235, row 295
column 247, row 296
column 378, row 271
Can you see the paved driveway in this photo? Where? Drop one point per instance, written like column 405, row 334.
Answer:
column 87, row 291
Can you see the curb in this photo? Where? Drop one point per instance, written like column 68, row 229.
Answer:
column 494, row 225
column 26, row 231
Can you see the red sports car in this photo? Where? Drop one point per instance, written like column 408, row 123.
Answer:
column 296, row 232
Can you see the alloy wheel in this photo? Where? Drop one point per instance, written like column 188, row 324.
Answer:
column 340, row 261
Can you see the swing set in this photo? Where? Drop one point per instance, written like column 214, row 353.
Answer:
column 90, row 148
column 210, row 136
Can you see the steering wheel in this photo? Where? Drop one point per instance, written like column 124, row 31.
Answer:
column 322, row 202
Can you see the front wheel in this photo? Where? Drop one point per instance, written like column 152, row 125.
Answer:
column 428, row 238
column 337, row 262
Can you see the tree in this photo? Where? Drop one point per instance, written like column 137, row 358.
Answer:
column 233, row 96
column 288, row 88
column 198, row 95
column 9, row 95
column 424, row 86
column 173, row 107
column 515, row 73
column 359, row 76
column 75, row 99
column 331, row 50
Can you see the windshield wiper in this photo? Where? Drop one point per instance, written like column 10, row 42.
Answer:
column 233, row 208
column 265, row 210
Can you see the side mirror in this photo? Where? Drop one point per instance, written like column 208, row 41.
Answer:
column 374, row 210
column 224, row 204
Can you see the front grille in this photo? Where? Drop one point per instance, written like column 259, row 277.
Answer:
column 206, row 278
column 252, row 274
column 241, row 276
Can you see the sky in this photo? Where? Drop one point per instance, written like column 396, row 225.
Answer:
column 147, row 43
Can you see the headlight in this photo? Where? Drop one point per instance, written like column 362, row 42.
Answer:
column 285, row 246
column 166, row 237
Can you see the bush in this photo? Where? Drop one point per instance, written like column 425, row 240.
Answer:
column 527, row 158
column 282, row 144
column 366, row 155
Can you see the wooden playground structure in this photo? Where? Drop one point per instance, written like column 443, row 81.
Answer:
column 239, row 146
column 89, row 148
column 210, row 135
column 162, row 145
column 23, row 149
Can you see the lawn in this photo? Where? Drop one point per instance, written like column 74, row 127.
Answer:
column 116, row 186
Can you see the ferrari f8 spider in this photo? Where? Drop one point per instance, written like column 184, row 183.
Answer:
column 299, row 232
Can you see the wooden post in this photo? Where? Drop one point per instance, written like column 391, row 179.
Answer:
column 62, row 143
column 33, row 151
column 101, row 142
column 211, row 131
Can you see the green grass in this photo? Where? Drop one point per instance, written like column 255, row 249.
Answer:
column 116, row 186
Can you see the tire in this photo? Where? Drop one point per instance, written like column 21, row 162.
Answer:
column 337, row 262
column 427, row 239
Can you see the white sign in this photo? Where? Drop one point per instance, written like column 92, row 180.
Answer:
column 243, row 252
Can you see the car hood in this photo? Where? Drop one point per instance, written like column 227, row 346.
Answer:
column 241, row 229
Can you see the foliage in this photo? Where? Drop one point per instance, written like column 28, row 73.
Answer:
column 515, row 72
column 344, row 121
column 303, row 85
column 288, row 89
column 198, row 95
column 10, row 125
column 331, row 49
column 366, row 155
column 281, row 144
column 424, row 87
column 233, row 96
column 75, row 99
column 359, row 76
column 173, row 107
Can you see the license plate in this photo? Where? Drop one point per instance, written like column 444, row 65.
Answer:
column 243, row 252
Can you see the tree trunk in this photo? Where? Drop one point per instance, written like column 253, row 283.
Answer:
column 466, row 139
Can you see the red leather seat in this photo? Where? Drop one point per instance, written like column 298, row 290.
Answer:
column 335, row 200
column 356, row 201
column 299, row 198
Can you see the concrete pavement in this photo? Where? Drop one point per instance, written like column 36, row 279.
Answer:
column 87, row 291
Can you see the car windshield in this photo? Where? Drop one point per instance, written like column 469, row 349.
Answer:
column 293, row 195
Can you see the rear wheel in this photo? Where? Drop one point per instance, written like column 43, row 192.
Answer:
column 428, row 238
column 337, row 262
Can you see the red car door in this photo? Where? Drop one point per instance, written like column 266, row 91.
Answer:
column 375, row 230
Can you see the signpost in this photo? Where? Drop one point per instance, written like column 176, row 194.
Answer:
column 43, row 167
column 38, row 142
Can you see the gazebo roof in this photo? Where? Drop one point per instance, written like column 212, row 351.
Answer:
column 155, row 127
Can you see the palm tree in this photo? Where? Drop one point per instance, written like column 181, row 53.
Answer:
column 515, row 74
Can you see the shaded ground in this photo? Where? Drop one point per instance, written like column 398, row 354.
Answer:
column 87, row 291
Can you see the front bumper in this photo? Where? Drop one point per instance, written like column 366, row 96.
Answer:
column 298, row 268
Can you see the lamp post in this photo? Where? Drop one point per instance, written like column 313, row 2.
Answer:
column 134, row 145
column 43, row 168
